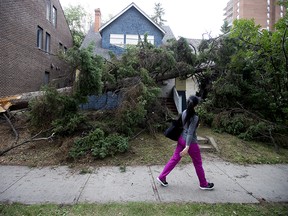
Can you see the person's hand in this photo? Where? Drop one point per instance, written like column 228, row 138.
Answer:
column 184, row 151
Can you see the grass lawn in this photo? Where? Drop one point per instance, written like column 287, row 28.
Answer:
column 235, row 150
column 149, row 209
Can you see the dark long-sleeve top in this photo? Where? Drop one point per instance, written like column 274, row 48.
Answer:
column 189, row 131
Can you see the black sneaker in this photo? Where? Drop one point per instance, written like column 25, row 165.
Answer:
column 210, row 186
column 163, row 183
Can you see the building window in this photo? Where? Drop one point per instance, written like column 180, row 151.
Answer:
column 65, row 49
column 54, row 16
column 60, row 46
column 48, row 10
column 46, row 78
column 39, row 37
column 150, row 39
column 117, row 40
column 132, row 39
column 47, row 43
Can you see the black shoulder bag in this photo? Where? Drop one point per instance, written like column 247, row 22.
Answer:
column 175, row 129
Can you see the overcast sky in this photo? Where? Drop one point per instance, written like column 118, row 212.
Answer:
column 187, row 18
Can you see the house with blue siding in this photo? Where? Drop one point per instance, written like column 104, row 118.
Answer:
column 126, row 28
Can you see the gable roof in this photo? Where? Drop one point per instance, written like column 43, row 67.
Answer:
column 195, row 43
column 126, row 9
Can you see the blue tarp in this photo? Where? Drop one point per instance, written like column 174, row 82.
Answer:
column 106, row 101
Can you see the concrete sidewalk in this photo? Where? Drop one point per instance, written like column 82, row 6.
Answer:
column 61, row 185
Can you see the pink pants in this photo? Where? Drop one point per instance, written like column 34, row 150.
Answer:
column 195, row 155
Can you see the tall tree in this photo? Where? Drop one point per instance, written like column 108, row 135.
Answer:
column 159, row 12
column 77, row 19
column 249, row 94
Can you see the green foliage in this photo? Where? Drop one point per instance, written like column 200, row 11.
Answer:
column 44, row 109
column 89, row 69
column 99, row 145
column 90, row 73
column 136, row 104
column 138, row 69
column 146, row 208
column 56, row 112
column 248, row 95
column 50, row 107
column 68, row 124
column 233, row 123
column 76, row 17
column 159, row 12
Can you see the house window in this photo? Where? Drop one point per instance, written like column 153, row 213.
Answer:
column 54, row 16
column 39, row 37
column 65, row 49
column 47, row 42
column 134, row 39
column 46, row 78
column 117, row 40
column 150, row 39
column 48, row 10
column 60, row 46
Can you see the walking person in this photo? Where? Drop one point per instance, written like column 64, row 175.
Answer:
column 188, row 144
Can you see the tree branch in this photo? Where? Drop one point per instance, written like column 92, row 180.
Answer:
column 32, row 139
column 283, row 48
column 13, row 128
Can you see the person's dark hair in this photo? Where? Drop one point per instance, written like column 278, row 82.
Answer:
column 190, row 111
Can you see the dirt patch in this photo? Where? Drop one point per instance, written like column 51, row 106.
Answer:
column 145, row 149
column 39, row 153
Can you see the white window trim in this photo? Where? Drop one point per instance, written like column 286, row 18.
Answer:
column 117, row 39
column 134, row 39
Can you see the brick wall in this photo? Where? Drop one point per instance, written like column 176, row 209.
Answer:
column 22, row 64
column 257, row 10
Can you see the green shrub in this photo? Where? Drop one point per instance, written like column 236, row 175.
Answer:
column 56, row 111
column 68, row 124
column 98, row 145
column 109, row 146
column 44, row 109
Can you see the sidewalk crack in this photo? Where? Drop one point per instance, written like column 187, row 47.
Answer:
column 248, row 192
column 76, row 199
column 154, row 187
column 15, row 182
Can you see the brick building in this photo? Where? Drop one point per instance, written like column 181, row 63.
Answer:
column 265, row 12
column 32, row 32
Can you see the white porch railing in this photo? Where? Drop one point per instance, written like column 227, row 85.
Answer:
column 177, row 100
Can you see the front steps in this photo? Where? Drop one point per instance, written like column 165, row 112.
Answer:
column 207, row 144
